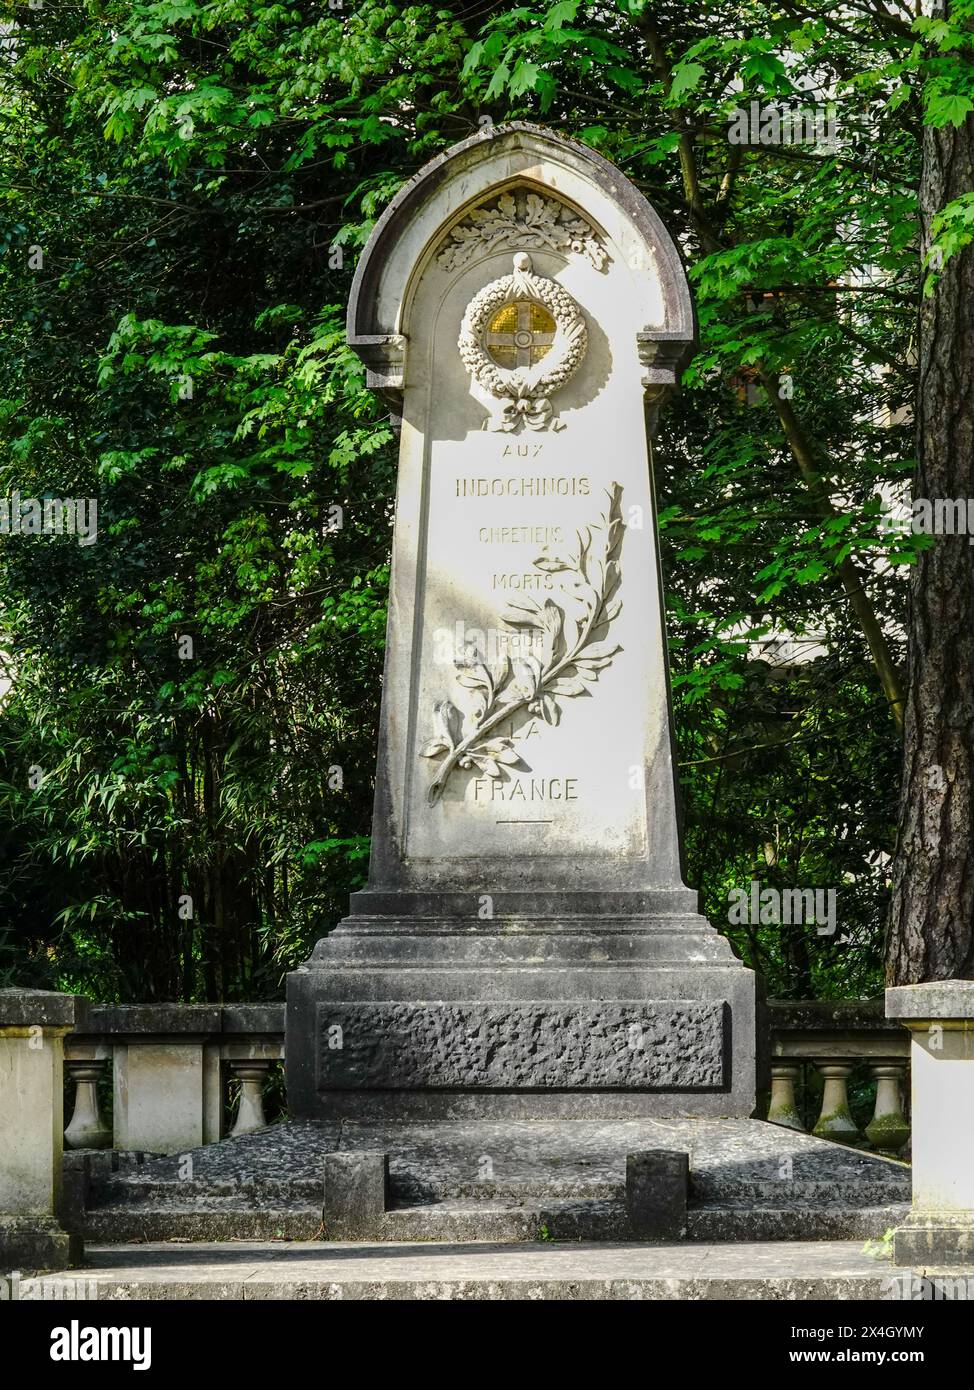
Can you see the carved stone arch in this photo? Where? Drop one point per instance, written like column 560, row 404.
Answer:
column 522, row 215
column 420, row 218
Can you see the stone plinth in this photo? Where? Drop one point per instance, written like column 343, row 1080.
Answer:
column 940, row 1017
column 167, row 1086
column 526, row 945
column 33, row 1024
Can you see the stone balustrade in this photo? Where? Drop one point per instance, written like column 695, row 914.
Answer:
column 171, row 1065
column 837, row 1040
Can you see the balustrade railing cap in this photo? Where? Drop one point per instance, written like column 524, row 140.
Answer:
column 41, row 1008
column 829, row 1015
column 253, row 1018
column 153, row 1018
column 938, row 999
column 160, row 1020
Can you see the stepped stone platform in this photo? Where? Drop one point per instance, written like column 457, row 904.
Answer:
column 482, row 1271
column 505, row 1182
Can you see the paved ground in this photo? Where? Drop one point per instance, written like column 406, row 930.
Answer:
column 505, row 1181
column 312, row 1270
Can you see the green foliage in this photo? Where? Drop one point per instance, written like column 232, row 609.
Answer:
column 199, row 178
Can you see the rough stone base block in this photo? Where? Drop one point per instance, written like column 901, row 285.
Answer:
column 576, row 1009
column 935, row 1239
column 657, row 1182
column 29, row 1244
column 676, row 1043
column 356, row 1194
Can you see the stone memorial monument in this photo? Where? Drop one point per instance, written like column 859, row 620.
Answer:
column 526, row 946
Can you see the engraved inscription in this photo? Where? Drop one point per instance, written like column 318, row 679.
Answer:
column 526, row 789
column 573, row 653
column 522, row 487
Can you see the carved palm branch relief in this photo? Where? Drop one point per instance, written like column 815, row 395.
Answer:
column 571, row 654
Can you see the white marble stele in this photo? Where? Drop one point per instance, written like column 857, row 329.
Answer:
column 526, row 943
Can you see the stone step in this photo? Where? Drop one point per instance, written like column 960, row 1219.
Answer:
column 159, row 1192
column 207, row 1223
column 474, row 1221
column 407, row 1190
column 794, row 1223
column 778, row 1270
column 595, row 943
column 505, row 1182
column 797, row 1192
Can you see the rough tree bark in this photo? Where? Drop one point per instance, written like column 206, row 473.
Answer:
column 930, row 931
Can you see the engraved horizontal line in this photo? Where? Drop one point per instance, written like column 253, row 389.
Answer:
column 525, row 822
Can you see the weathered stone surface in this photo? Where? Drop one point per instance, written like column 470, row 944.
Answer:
column 159, row 1019
column 823, row 1270
column 31, row 1107
column 75, row 1188
column 938, row 999
column 41, row 1008
column 356, row 1193
column 159, row 1092
column 670, row 1043
column 929, row 1238
column 29, row 1244
column 163, row 1020
column 31, row 1128
column 252, row 1018
column 525, row 546
column 505, row 1182
column 940, row 1019
column 657, row 1182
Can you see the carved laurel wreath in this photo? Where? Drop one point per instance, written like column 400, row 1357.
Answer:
column 522, row 392
column 568, row 664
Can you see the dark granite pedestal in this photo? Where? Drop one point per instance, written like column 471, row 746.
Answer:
column 616, row 1006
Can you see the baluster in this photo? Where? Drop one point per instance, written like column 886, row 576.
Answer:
column 889, row 1129
column 783, row 1110
column 835, row 1121
column 251, row 1073
column 87, row 1129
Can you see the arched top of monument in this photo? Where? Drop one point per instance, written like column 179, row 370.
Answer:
column 419, row 220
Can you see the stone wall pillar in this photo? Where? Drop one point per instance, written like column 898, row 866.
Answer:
column 940, row 1017
column 33, row 1024
column 163, row 1082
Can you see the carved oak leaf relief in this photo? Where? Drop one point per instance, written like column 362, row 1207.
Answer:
column 569, row 656
column 526, row 221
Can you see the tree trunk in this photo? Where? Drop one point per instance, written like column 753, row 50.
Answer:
column 931, row 923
